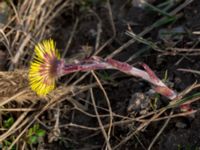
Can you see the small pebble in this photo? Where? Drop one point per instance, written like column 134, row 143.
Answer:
column 181, row 125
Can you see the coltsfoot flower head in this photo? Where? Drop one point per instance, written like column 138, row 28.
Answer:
column 44, row 67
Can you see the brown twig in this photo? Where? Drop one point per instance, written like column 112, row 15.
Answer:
column 161, row 130
column 108, row 102
column 100, row 122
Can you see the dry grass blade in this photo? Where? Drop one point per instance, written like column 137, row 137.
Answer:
column 189, row 70
column 143, row 125
column 15, row 87
column 147, row 30
column 108, row 102
column 161, row 130
column 26, row 27
column 13, row 82
column 54, row 100
column 18, row 124
column 100, row 122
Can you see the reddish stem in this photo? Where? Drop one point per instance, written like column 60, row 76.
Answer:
column 95, row 63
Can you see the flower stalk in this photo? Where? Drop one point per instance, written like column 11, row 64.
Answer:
column 96, row 63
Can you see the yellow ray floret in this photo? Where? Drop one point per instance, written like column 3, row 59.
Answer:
column 43, row 68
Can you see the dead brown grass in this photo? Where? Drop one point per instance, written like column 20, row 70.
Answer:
column 27, row 23
column 14, row 82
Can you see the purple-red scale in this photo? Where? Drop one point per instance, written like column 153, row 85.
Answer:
column 150, row 72
column 164, row 91
column 119, row 65
column 71, row 68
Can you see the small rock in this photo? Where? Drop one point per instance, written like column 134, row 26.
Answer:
column 181, row 125
column 139, row 102
column 141, row 3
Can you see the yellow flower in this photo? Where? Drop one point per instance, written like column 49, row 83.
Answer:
column 43, row 68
